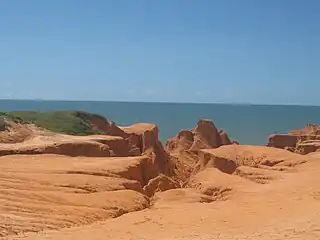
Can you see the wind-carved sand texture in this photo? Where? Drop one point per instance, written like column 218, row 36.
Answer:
column 126, row 185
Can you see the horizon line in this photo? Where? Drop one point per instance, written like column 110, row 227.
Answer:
column 163, row 102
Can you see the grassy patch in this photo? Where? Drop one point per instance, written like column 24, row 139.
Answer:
column 68, row 122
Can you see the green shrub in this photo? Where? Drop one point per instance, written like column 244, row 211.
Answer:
column 68, row 122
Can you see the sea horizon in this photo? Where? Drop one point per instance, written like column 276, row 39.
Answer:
column 245, row 123
column 166, row 102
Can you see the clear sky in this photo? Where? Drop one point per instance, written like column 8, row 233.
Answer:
column 236, row 51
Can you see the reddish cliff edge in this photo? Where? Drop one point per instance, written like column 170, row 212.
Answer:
column 302, row 141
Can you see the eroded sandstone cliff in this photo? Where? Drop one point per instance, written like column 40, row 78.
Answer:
column 302, row 141
column 51, row 181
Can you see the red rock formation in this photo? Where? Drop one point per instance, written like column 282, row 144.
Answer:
column 159, row 184
column 72, row 149
column 102, row 124
column 228, row 158
column 182, row 142
column 309, row 129
column 184, row 148
column 301, row 141
column 142, row 138
column 110, row 128
column 282, row 140
column 225, row 140
column 307, row 147
column 145, row 137
column 204, row 135
column 138, row 139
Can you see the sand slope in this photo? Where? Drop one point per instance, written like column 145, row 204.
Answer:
column 50, row 191
column 223, row 206
column 283, row 209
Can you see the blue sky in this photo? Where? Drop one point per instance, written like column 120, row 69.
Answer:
column 235, row 51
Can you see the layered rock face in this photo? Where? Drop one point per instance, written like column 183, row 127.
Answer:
column 141, row 139
column 303, row 141
column 204, row 135
column 90, row 178
column 282, row 141
column 184, row 148
column 144, row 136
column 136, row 140
column 228, row 158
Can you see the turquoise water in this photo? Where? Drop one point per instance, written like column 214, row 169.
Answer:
column 248, row 124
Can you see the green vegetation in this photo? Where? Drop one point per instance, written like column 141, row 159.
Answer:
column 69, row 122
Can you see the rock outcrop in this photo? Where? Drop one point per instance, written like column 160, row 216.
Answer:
column 303, row 141
column 136, row 140
column 144, row 136
column 185, row 147
column 102, row 124
column 309, row 129
column 228, row 158
column 282, row 141
column 204, row 135
column 89, row 146
column 72, row 149
column 141, row 139
column 308, row 146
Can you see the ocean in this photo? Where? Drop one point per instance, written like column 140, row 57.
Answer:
column 247, row 124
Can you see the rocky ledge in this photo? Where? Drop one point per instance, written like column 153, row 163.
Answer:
column 302, row 141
